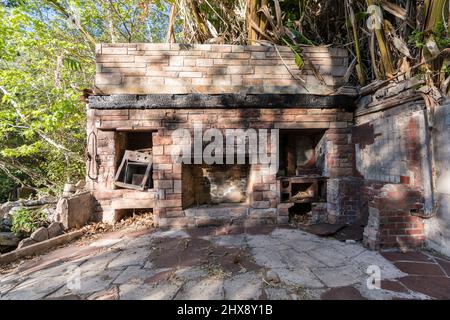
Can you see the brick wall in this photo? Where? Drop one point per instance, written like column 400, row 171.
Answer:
column 343, row 186
column 168, row 176
column 393, row 156
column 175, row 68
column 389, row 146
column 391, row 223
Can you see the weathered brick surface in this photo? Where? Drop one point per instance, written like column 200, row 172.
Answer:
column 168, row 176
column 392, row 154
column 174, row 68
column 392, row 223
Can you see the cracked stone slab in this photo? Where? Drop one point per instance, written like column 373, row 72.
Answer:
column 160, row 291
column 293, row 259
column 105, row 243
column 144, row 241
column 381, row 294
column 98, row 262
column 268, row 258
column 239, row 240
column 133, row 274
column 299, row 277
column 278, row 294
column 340, row 276
column 329, row 256
column 245, row 286
column 293, row 235
column 147, row 266
column 191, row 273
column 371, row 258
column 88, row 283
column 132, row 257
column 265, row 241
column 170, row 234
column 204, row 289
column 33, row 289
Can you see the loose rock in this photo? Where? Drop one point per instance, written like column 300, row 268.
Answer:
column 8, row 239
column 40, row 234
column 26, row 242
column 55, row 229
column 272, row 276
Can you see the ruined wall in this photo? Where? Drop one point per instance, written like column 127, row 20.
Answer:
column 438, row 228
column 203, row 68
column 391, row 144
column 391, row 223
column 166, row 197
column 343, row 185
column 394, row 157
column 160, row 88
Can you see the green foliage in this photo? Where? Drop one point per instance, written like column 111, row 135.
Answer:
column 297, row 57
column 6, row 185
column 46, row 60
column 416, row 39
column 440, row 35
column 26, row 221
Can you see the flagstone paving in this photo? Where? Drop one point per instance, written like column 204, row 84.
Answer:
column 220, row 263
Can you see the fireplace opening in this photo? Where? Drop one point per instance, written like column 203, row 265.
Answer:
column 214, row 184
column 131, row 213
column 134, row 160
column 299, row 154
column 300, row 213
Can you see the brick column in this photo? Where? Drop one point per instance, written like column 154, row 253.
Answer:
column 167, row 183
column 391, row 224
column 343, row 186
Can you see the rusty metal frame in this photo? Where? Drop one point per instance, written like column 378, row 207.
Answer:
column 136, row 157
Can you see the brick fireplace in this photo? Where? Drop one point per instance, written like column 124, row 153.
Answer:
column 145, row 92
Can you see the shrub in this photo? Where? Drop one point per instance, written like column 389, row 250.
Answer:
column 25, row 221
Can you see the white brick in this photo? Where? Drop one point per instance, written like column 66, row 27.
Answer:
column 114, row 51
column 108, row 78
column 205, row 62
column 240, row 69
column 190, row 74
column 176, row 61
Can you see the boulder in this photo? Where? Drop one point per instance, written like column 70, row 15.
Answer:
column 8, row 239
column 26, row 242
column 55, row 229
column 5, row 224
column 6, row 207
column 75, row 211
column 272, row 276
column 40, row 234
column 25, row 192
column 69, row 189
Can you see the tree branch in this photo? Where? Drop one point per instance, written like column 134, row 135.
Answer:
column 41, row 134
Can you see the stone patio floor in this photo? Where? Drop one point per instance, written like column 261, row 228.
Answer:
column 218, row 263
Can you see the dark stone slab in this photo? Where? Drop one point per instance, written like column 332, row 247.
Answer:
column 205, row 101
column 353, row 232
column 342, row 293
column 406, row 256
column 435, row 287
column 393, row 285
column 323, row 229
column 420, row 268
column 445, row 265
